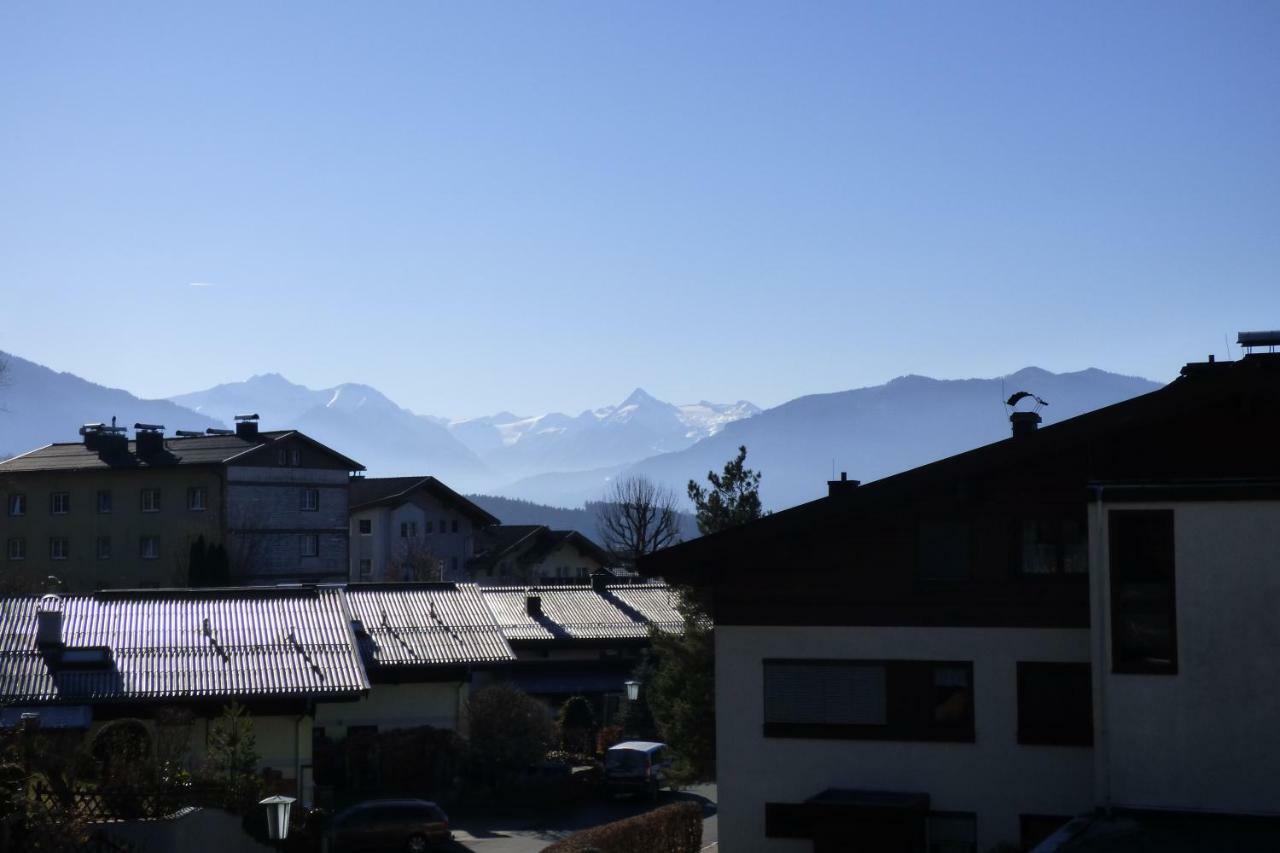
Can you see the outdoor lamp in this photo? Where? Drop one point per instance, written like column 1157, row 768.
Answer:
column 633, row 690
column 277, row 816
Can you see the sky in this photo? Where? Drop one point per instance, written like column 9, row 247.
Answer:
column 539, row 206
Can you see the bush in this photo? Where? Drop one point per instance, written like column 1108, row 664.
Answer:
column 676, row 828
column 510, row 731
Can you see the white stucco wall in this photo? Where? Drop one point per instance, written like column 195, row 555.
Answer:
column 993, row 777
column 381, row 544
column 1208, row 737
column 398, row 706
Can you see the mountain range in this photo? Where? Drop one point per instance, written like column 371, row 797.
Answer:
column 566, row 460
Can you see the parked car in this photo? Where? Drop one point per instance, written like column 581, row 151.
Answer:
column 637, row 767
column 413, row 826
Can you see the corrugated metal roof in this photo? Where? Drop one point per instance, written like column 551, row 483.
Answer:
column 579, row 612
column 262, row 642
column 432, row 623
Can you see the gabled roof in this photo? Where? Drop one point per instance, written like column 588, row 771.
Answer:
column 529, row 543
column 193, row 450
column 415, row 624
column 260, row 642
column 622, row 611
column 392, row 491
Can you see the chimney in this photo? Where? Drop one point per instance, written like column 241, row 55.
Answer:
column 149, row 439
column 247, row 427
column 533, row 605
column 49, row 623
column 843, row 486
column 1024, row 423
column 600, row 581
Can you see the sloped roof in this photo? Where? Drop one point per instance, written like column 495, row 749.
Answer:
column 530, row 543
column 579, row 612
column 193, row 450
column 371, row 491
column 415, row 624
column 260, row 642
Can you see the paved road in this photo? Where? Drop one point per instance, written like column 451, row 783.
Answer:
column 507, row 835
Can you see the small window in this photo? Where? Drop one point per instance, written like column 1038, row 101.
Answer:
column 404, row 530
column 1053, row 547
column 149, row 547
column 197, row 498
column 104, row 501
column 453, row 526
column 282, row 456
column 295, row 457
column 104, row 548
column 366, row 527
column 443, row 525
column 17, row 549
column 413, row 528
column 366, row 569
column 453, row 564
column 952, row 697
column 310, row 500
column 1144, row 635
column 1055, row 704
column 150, row 500
column 60, row 503
column 17, row 504
column 310, row 545
column 58, row 548
column 430, row 526
column 945, row 550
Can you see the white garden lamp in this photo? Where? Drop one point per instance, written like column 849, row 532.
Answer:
column 633, row 690
column 277, row 816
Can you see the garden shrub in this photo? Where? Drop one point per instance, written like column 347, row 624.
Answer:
column 676, row 828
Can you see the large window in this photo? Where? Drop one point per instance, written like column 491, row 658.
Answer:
column 17, row 504
column 149, row 547
column 1053, row 547
column 104, row 501
column 945, row 550
column 60, row 503
column 58, row 548
column 1144, row 625
column 197, row 498
column 1055, row 704
column 150, row 500
column 872, row 700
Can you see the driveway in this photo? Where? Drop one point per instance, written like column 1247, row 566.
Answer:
column 512, row 835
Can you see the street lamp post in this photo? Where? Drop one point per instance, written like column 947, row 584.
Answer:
column 277, row 816
column 633, row 690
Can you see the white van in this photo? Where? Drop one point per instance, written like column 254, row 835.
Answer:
column 637, row 767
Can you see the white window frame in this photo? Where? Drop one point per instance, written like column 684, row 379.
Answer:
column 150, row 500
column 60, row 499
column 58, row 547
column 197, row 499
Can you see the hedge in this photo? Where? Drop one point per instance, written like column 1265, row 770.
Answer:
column 676, row 828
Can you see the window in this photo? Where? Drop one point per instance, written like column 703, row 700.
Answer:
column 282, row 457
column 443, row 524
column 453, row 527
column 17, row 504
column 952, row 832
column 150, row 500
column 197, row 498
column 366, row 527
column 430, row 526
column 104, row 548
column 453, row 565
column 60, row 503
column 295, row 457
column 58, row 548
column 310, row 545
column 1055, row 704
column 149, row 547
column 1058, row 547
column 870, row 700
column 945, row 550
column 1144, row 631
column 104, row 501
column 1035, row 828
column 404, row 530
column 366, row 569
column 310, row 500
column 17, row 549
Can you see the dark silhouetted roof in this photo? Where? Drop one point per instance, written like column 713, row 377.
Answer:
column 530, row 543
column 372, row 491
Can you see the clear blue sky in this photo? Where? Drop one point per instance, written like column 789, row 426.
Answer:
column 538, row 206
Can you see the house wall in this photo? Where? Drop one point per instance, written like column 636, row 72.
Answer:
column 385, row 545
column 566, row 562
column 126, row 524
column 1203, row 739
column 994, row 777
column 264, row 511
column 398, row 706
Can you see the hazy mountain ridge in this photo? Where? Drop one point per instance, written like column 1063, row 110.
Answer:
column 39, row 406
column 583, row 519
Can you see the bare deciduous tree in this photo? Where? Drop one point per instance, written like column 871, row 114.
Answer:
column 637, row 517
column 415, row 561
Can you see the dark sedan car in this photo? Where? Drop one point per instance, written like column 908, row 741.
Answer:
column 377, row 825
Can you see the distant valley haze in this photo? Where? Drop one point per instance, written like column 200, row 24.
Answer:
column 565, row 460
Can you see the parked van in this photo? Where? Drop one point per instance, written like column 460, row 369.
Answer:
column 637, row 767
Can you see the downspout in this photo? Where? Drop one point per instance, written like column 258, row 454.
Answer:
column 1099, row 578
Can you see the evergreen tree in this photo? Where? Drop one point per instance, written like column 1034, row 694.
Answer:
column 733, row 497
